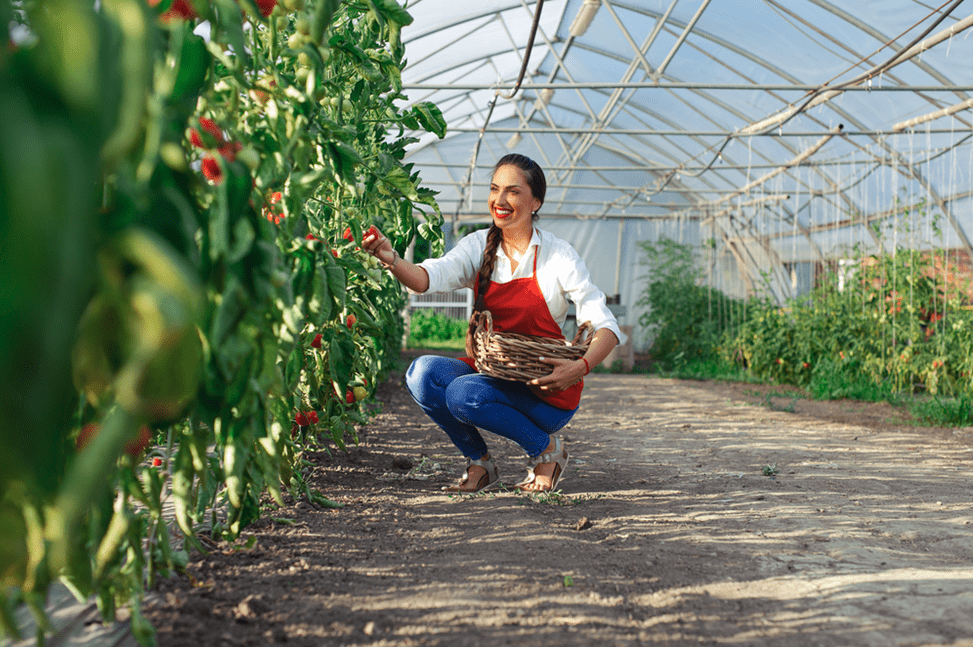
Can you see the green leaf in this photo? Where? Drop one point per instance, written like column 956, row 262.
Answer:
column 323, row 14
column 342, row 353
column 194, row 63
column 295, row 364
column 399, row 179
column 233, row 195
column 319, row 499
column 430, row 117
column 321, row 302
column 405, row 223
column 244, row 237
column 229, row 23
column 344, row 158
column 392, row 11
column 337, row 284
column 229, row 312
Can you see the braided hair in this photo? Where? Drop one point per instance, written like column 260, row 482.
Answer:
column 534, row 177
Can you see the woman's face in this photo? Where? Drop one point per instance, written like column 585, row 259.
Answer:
column 511, row 201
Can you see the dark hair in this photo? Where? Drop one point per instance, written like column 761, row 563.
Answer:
column 534, row 176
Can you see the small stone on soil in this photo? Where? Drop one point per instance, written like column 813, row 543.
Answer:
column 251, row 607
column 583, row 523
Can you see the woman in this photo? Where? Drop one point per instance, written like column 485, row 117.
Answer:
column 524, row 277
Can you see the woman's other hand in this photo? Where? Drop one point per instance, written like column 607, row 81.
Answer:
column 566, row 373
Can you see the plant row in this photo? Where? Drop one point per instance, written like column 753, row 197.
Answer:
column 185, row 306
column 899, row 322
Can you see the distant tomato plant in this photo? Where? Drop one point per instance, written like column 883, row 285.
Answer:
column 904, row 322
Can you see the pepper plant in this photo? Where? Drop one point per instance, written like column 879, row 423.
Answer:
column 181, row 220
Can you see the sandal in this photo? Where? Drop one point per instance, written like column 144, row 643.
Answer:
column 559, row 457
column 492, row 477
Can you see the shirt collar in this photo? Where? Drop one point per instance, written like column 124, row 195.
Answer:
column 535, row 241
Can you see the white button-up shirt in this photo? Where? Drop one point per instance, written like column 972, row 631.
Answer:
column 561, row 275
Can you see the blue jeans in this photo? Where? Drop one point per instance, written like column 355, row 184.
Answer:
column 460, row 400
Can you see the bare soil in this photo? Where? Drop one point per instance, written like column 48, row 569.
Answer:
column 692, row 513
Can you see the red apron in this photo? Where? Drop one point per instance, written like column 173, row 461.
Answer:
column 518, row 306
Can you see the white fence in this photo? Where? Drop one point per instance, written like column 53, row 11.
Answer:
column 457, row 304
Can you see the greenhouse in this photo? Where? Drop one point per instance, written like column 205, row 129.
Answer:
column 774, row 138
column 216, row 428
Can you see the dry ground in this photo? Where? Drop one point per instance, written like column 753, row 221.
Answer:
column 667, row 532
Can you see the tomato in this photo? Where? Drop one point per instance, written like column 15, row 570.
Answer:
column 133, row 448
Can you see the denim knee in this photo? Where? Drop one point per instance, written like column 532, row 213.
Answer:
column 415, row 376
column 464, row 396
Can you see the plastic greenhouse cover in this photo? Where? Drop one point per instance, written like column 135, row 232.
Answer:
column 646, row 114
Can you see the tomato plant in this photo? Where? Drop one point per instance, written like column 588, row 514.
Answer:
column 173, row 217
column 904, row 323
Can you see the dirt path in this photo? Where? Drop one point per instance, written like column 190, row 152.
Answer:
column 668, row 533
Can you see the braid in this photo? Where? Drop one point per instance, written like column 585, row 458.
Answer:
column 494, row 236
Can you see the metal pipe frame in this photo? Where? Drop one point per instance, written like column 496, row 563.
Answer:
column 676, row 85
column 686, row 133
column 878, row 136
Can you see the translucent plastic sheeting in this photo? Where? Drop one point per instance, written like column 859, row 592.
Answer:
column 642, row 118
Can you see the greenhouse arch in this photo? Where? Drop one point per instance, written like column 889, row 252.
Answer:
column 773, row 138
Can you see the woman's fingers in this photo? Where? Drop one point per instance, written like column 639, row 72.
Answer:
column 560, row 378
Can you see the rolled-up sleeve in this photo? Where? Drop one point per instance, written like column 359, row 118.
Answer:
column 589, row 301
column 457, row 268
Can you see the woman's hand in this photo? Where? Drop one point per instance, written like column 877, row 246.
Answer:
column 566, row 374
column 376, row 244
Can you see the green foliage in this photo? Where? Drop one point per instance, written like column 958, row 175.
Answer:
column 685, row 321
column 432, row 326
column 709, row 368
column 902, row 326
column 944, row 412
column 832, row 380
column 181, row 221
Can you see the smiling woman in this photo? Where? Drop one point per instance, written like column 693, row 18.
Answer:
column 524, row 277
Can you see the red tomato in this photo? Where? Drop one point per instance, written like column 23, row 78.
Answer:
column 212, row 170
column 266, row 7
column 133, row 448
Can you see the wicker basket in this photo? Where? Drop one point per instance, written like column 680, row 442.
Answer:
column 512, row 356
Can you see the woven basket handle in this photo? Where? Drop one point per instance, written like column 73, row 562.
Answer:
column 481, row 319
column 486, row 316
column 585, row 327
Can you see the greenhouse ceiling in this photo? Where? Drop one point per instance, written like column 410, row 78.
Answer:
column 798, row 116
